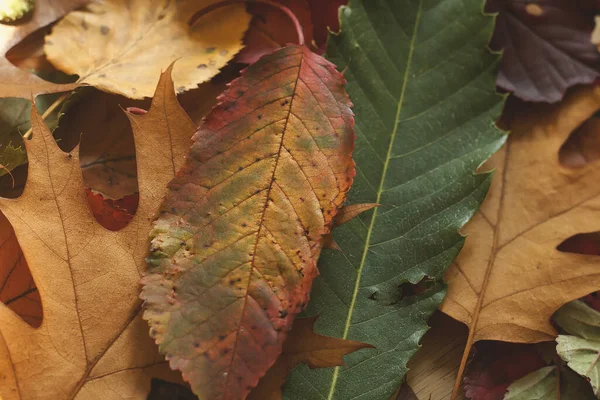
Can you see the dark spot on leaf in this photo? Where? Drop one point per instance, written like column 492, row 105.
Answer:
column 240, row 92
column 244, row 225
column 221, row 337
column 259, row 116
column 210, row 50
column 373, row 296
column 224, row 351
column 102, row 76
column 202, row 66
column 408, row 290
column 283, row 313
column 104, row 30
column 284, row 103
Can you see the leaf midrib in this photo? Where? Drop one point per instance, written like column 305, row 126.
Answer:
column 379, row 192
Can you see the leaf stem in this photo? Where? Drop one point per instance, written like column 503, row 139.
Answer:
column 48, row 111
column 224, row 3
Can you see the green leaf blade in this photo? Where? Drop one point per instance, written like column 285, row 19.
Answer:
column 422, row 82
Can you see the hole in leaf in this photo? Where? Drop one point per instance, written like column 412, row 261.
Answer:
column 582, row 243
column 17, row 288
column 106, row 153
column 162, row 390
column 583, row 145
column 409, row 290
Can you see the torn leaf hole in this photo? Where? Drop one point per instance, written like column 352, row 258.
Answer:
column 409, row 290
column 583, row 145
column 582, row 243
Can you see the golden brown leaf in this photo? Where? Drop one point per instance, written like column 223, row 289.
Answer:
column 510, row 277
column 92, row 339
column 303, row 345
column 121, row 47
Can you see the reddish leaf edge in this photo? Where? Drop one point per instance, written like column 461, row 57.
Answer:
column 329, row 225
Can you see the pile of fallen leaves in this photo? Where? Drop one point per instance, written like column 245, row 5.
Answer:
column 228, row 199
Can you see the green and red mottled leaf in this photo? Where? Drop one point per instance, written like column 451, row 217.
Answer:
column 234, row 251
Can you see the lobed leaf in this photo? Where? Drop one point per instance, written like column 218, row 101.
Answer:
column 92, row 338
column 422, row 80
column 234, row 251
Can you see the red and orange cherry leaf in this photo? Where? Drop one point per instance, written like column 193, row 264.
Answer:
column 234, row 251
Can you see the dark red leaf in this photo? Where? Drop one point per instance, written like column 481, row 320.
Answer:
column 547, row 46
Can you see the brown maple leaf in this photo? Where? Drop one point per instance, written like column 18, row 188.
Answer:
column 92, row 338
column 510, row 277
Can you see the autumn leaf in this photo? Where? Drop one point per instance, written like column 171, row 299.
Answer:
column 511, row 277
column 302, row 345
column 420, row 137
column 581, row 347
column 432, row 369
column 272, row 29
column 546, row 46
column 17, row 289
column 121, row 47
column 544, row 384
column 113, row 214
column 234, row 251
column 92, row 337
column 325, row 19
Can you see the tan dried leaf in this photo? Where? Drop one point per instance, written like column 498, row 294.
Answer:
column 92, row 339
column 121, row 47
column 510, row 277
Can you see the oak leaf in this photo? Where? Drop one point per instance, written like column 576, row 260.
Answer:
column 92, row 337
column 121, row 47
column 234, row 251
column 303, row 345
column 511, row 277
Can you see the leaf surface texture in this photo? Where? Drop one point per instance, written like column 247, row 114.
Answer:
column 121, row 47
column 92, row 336
column 234, row 251
column 422, row 81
